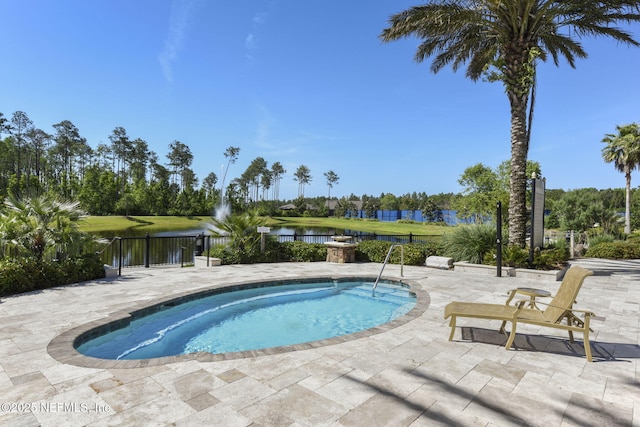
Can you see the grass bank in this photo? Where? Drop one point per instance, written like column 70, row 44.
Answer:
column 380, row 227
column 153, row 224
column 148, row 224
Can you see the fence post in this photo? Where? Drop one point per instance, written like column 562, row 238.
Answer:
column 410, row 237
column 499, row 239
column 146, row 252
column 207, row 247
column 120, row 257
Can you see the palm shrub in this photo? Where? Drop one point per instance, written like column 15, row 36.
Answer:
column 469, row 242
column 42, row 225
column 36, row 229
column 244, row 240
column 601, row 238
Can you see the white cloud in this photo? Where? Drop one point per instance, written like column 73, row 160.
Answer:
column 180, row 10
column 260, row 18
column 250, row 43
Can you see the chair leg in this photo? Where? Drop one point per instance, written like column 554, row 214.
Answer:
column 587, row 345
column 585, row 335
column 512, row 335
column 570, row 332
column 501, row 330
column 452, row 323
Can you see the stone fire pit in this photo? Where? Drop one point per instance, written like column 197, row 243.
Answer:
column 341, row 249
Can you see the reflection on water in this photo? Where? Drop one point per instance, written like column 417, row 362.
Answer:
column 277, row 231
column 306, row 231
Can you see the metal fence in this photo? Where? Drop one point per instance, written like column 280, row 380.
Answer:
column 357, row 237
column 147, row 251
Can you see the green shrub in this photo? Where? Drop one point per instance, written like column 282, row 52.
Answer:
column 298, row 251
column 372, row 250
column 414, row 253
column 601, row 238
column 469, row 242
column 79, row 269
column 29, row 274
column 512, row 256
column 303, row 252
column 515, row 256
column 551, row 259
column 614, row 250
column 274, row 252
column 13, row 277
column 634, row 237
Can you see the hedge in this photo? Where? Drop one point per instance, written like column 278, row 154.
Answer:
column 29, row 274
column 614, row 250
column 298, row 251
column 414, row 253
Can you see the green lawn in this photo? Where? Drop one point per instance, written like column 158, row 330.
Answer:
column 380, row 227
column 150, row 224
column 154, row 224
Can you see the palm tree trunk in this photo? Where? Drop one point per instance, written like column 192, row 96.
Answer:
column 627, row 205
column 518, row 176
column 519, row 77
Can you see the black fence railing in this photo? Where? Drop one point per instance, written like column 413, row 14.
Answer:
column 146, row 251
column 357, row 237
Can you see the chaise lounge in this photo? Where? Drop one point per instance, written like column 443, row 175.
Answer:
column 558, row 310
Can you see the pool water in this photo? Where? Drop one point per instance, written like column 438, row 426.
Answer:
column 252, row 319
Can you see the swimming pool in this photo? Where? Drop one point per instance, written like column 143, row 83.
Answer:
column 248, row 317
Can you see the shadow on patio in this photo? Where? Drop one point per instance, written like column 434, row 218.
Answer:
column 602, row 351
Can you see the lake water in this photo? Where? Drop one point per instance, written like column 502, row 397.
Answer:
column 305, row 231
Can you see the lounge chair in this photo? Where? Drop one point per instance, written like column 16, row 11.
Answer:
column 559, row 309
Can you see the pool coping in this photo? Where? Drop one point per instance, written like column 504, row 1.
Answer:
column 62, row 348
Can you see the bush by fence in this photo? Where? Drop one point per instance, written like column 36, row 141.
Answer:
column 414, row 253
column 614, row 250
column 29, row 274
column 298, row 251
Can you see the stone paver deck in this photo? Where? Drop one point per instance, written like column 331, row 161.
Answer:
column 410, row 375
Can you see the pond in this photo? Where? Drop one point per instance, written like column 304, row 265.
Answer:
column 276, row 231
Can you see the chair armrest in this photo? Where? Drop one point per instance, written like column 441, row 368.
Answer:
column 572, row 310
column 530, row 293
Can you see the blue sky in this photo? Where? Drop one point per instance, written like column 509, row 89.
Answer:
column 301, row 82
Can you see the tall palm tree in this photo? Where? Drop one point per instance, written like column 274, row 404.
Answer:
column 503, row 40
column 332, row 178
column 623, row 150
column 303, row 176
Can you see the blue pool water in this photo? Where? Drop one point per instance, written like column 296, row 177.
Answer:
column 251, row 319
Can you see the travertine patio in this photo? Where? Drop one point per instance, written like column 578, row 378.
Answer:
column 406, row 376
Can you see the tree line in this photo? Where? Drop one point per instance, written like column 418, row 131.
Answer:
column 124, row 176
